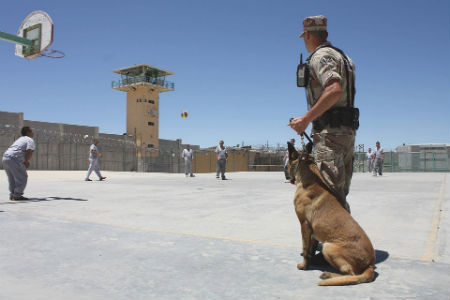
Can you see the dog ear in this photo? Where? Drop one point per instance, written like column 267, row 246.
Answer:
column 293, row 154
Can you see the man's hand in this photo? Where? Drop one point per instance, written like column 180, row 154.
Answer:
column 329, row 97
column 299, row 124
column 27, row 164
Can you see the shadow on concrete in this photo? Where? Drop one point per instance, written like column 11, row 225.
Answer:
column 380, row 256
column 45, row 199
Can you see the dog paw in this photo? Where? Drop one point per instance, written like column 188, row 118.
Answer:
column 325, row 275
column 302, row 266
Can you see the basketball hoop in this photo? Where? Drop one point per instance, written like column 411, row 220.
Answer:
column 38, row 28
column 52, row 53
column 34, row 36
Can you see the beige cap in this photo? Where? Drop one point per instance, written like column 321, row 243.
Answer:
column 314, row 23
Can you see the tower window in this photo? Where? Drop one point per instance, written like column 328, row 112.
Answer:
column 151, row 101
column 150, row 146
column 151, row 124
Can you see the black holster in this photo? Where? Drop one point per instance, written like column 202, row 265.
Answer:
column 336, row 117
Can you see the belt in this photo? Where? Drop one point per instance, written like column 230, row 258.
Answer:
column 336, row 117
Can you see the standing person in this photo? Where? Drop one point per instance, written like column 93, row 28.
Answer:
column 330, row 87
column 378, row 160
column 94, row 155
column 222, row 157
column 286, row 161
column 369, row 156
column 16, row 160
column 188, row 157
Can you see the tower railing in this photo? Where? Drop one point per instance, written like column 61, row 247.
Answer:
column 143, row 79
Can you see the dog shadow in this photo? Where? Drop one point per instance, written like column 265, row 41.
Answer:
column 45, row 199
column 319, row 263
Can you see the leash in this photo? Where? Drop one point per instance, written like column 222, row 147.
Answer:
column 302, row 135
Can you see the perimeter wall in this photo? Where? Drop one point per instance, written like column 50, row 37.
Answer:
column 66, row 147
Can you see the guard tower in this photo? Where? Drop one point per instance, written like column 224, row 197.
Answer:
column 143, row 83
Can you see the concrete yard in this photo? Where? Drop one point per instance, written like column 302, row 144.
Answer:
column 164, row 236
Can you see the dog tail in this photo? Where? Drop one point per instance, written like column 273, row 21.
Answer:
column 367, row 276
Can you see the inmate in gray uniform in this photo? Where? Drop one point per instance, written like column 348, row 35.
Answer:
column 188, row 156
column 221, row 161
column 378, row 162
column 93, row 163
column 13, row 163
column 369, row 156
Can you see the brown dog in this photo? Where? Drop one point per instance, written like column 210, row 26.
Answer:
column 346, row 246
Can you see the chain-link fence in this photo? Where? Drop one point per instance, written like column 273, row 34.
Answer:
column 160, row 160
column 63, row 147
column 239, row 159
column 424, row 161
column 267, row 160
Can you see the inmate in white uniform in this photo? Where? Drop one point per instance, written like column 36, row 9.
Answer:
column 188, row 156
column 13, row 163
column 93, row 163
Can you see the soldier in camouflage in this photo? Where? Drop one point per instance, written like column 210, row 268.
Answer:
column 330, row 94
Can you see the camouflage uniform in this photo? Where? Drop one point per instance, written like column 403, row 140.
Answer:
column 333, row 146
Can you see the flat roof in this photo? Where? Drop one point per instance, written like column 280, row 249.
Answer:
column 139, row 69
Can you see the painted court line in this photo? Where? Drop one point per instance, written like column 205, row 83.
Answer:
column 201, row 235
column 431, row 247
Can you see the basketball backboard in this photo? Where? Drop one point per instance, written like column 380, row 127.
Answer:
column 37, row 28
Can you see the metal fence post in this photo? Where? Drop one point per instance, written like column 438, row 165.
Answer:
column 433, row 168
column 392, row 161
column 424, row 161
column 76, row 155
column 48, row 141
column 448, row 162
column 123, row 157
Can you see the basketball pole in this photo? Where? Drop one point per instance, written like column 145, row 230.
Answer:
column 15, row 39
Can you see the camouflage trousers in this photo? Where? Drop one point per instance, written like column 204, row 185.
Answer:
column 333, row 154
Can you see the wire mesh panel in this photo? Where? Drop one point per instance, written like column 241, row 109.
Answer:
column 425, row 161
column 161, row 160
column 66, row 147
